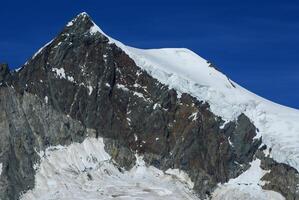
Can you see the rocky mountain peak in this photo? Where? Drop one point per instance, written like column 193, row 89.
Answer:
column 80, row 85
column 82, row 24
column 82, row 21
column 82, row 75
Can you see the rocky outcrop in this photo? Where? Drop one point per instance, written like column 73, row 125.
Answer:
column 279, row 177
column 80, row 84
column 27, row 127
column 4, row 72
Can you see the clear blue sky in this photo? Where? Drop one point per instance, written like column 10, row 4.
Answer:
column 256, row 43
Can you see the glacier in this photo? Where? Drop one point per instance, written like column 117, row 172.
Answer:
column 85, row 171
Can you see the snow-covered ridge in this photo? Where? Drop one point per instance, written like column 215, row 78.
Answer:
column 86, row 171
column 187, row 72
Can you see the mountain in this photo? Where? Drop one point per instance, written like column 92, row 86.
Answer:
column 88, row 117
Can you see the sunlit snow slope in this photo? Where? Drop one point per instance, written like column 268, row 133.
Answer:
column 187, row 72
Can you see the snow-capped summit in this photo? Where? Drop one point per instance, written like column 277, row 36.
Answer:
column 88, row 117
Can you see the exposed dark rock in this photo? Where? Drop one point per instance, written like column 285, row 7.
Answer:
column 280, row 177
column 120, row 153
column 4, row 72
column 28, row 125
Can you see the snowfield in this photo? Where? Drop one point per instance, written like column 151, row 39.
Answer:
column 86, row 171
column 186, row 72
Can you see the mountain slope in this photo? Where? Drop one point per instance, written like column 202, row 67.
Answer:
column 187, row 72
column 168, row 106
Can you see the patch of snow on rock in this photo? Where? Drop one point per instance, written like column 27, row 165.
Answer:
column 246, row 187
column 71, row 79
column 59, row 72
column 0, row 169
column 122, row 87
column 90, row 89
column 193, row 116
column 46, row 99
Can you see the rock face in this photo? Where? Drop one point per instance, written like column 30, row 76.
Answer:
column 27, row 126
column 81, row 82
column 4, row 72
column 281, row 177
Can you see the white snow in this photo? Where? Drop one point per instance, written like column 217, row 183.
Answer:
column 71, row 79
column 70, row 24
column 90, row 89
column 122, row 87
column 181, row 175
column 246, row 187
column 18, row 69
column 59, row 43
column 129, row 121
column 84, row 14
column 140, row 95
column 94, row 29
column 105, row 57
column 46, row 99
column 193, row 116
column 230, row 142
column 59, row 72
column 0, row 169
column 156, row 105
column 187, row 72
column 40, row 50
column 86, row 171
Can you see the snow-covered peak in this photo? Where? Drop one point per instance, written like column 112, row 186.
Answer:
column 83, row 14
column 83, row 23
column 80, row 17
column 182, row 61
column 187, row 72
